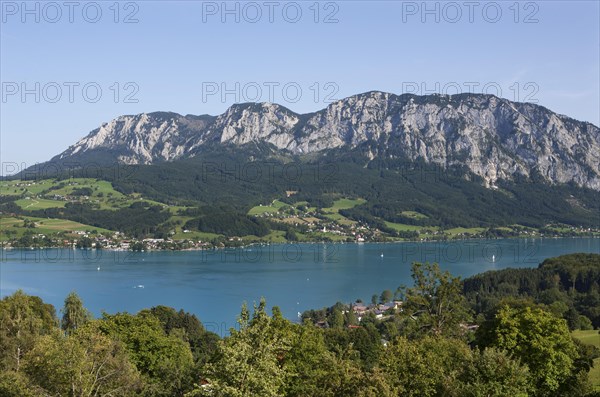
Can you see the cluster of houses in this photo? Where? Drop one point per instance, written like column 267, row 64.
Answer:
column 317, row 223
column 379, row 310
column 152, row 244
column 382, row 312
column 23, row 185
column 116, row 241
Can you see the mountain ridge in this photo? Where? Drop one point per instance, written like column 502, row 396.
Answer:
column 494, row 137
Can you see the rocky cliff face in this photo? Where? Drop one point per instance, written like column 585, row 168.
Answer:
column 143, row 138
column 495, row 138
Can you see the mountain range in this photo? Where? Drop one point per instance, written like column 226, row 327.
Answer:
column 496, row 139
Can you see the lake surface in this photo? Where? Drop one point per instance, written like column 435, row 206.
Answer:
column 296, row 277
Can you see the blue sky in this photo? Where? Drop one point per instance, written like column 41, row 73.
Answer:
column 181, row 55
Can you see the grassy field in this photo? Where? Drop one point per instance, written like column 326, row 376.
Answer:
column 14, row 227
column 300, row 221
column 591, row 337
column 331, row 236
column 275, row 236
column 401, row 227
column 102, row 193
column 61, row 225
column 344, row 204
column 335, row 216
column 18, row 187
column 413, row 214
column 194, row 235
column 33, row 204
column 39, row 195
column 462, row 230
column 263, row 209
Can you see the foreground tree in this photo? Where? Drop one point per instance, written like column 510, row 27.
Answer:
column 189, row 328
column 316, row 371
column 74, row 313
column 86, row 363
column 536, row 338
column 491, row 373
column 22, row 319
column 438, row 366
column 250, row 359
column 435, row 303
column 422, row 368
column 164, row 361
column 16, row 384
column 307, row 363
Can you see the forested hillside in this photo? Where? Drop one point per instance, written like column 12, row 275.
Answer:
column 568, row 285
column 397, row 198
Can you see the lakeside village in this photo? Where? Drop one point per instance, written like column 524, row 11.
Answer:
column 115, row 241
column 118, row 241
column 320, row 231
column 295, row 223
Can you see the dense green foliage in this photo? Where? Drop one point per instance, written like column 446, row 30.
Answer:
column 86, row 363
column 540, row 339
column 567, row 285
column 389, row 186
column 521, row 348
column 74, row 314
column 435, row 301
column 139, row 219
column 229, row 222
column 164, row 361
column 22, row 319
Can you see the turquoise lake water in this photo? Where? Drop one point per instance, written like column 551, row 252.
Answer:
column 295, row 277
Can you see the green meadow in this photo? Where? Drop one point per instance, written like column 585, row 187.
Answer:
column 591, row 337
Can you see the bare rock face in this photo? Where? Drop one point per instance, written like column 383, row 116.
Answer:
column 143, row 138
column 495, row 138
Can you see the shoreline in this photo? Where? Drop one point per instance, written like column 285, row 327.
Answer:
column 262, row 244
